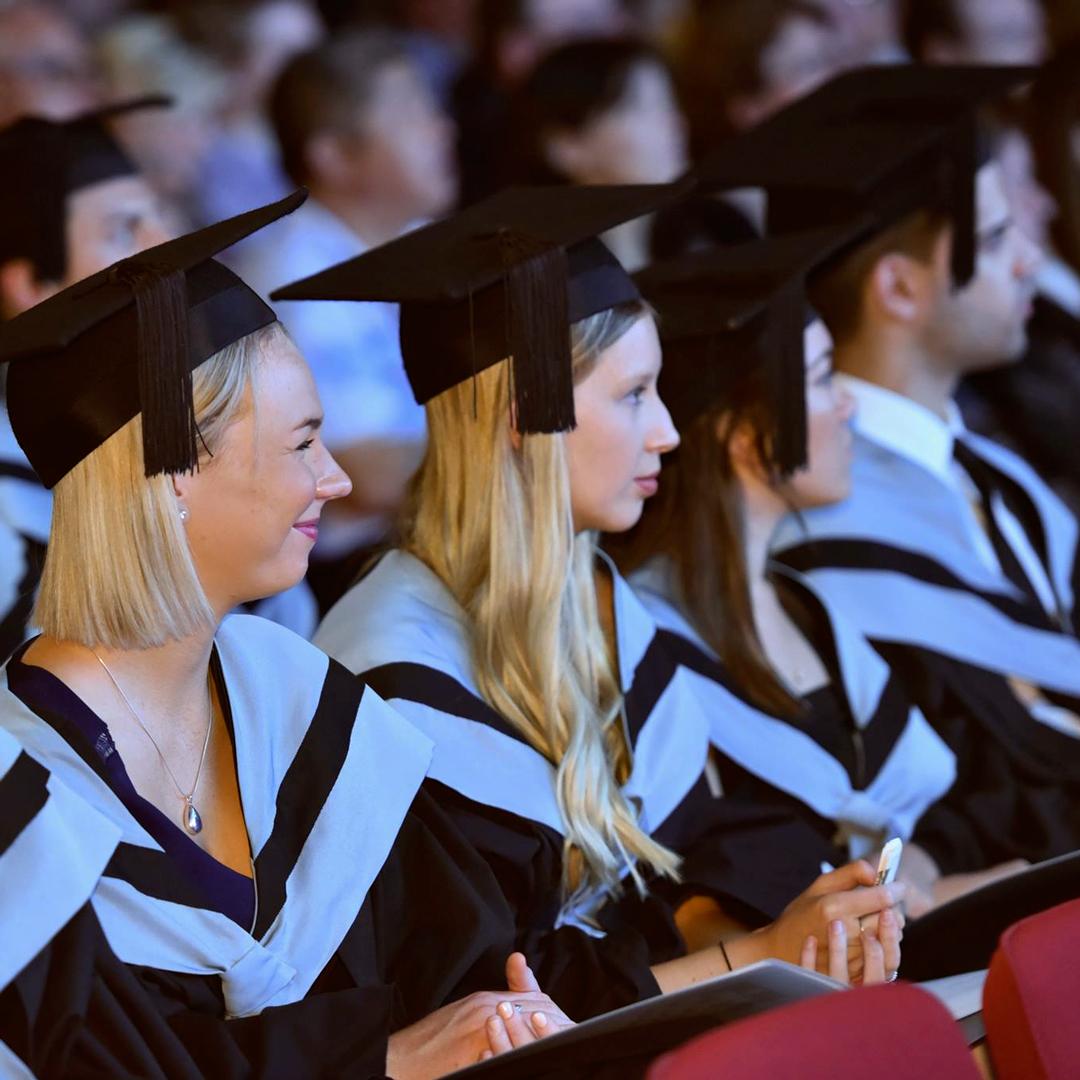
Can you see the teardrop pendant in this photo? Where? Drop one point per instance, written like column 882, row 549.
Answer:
column 192, row 821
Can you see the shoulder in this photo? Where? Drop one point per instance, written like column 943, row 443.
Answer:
column 399, row 612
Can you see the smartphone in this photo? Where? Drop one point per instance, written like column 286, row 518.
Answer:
column 889, row 862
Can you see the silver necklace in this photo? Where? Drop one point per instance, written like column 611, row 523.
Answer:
column 190, row 818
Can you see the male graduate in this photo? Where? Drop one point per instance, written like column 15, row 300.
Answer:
column 951, row 554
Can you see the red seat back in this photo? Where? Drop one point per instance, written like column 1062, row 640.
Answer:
column 896, row 1031
column 1031, row 1002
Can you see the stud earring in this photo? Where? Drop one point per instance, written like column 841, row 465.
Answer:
column 184, row 513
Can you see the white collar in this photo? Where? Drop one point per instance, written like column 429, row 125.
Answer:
column 903, row 426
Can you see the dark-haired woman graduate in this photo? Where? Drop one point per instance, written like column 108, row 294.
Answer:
column 282, row 885
column 569, row 748
column 805, row 715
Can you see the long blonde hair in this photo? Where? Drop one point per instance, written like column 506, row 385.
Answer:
column 118, row 570
column 490, row 515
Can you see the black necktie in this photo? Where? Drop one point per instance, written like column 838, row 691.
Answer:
column 989, row 482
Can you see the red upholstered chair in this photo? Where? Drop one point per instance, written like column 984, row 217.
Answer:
column 1031, row 1001
column 896, row 1031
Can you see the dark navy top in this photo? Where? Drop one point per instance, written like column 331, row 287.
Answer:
column 39, row 690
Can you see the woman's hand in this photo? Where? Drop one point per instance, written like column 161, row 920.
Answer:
column 881, row 951
column 846, row 896
column 954, row 885
column 477, row 1027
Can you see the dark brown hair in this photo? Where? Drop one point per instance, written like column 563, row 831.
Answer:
column 837, row 293
column 697, row 521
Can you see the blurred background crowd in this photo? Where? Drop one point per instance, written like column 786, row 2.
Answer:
column 393, row 112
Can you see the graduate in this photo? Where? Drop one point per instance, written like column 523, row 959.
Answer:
column 950, row 553
column 804, row 713
column 569, row 746
column 73, row 202
column 282, row 883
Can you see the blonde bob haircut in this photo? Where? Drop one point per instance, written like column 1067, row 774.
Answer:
column 490, row 515
column 118, row 571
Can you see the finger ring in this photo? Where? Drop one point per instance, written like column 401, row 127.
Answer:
column 893, row 977
column 517, row 1007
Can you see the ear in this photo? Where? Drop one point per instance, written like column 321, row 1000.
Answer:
column 326, row 158
column 181, row 483
column 20, row 288
column 900, row 288
column 566, row 153
column 742, row 446
column 516, row 439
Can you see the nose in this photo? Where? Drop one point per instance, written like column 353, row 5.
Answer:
column 1029, row 256
column 333, row 483
column 663, row 437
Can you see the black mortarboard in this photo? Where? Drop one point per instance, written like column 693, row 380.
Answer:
column 42, row 162
column 884, row 140
column 506, row 277
column 727, row 312
column 124, row 342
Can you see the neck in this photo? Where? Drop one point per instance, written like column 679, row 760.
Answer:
column 373, row 221
column 899, row 365
column 763, row 510
column 172, row 677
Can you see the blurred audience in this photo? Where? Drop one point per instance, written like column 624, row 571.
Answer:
column 358, row 126
column 513, row 35
column 601, row 111
column 251, row 41
column 976, row 31
column 144, row 54
column 744, row 59
column 869, row 30
column 46, row 63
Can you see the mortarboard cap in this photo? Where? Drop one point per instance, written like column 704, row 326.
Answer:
column 884, row 140
column 44, row 161
column 727, row 312
column 503, row 278
column 124, row 342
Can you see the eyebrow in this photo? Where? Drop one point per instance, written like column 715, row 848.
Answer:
column 313, row 422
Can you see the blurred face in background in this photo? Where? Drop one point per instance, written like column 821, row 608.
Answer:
column 804, row 53
column 994, row 32
column 46, row 68
column 641, row 139
column 1033, row 207
column 401, row 155
column 278, row 31
column 550, row 23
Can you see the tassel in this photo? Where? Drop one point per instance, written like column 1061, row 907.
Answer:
column 962, row 202
column 538, row 333
column 785, row 366
column 164, row 363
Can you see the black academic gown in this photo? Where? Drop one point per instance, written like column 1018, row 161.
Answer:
column 401, row 630
column 896, row 558
column 372, row 910
column 860, row 764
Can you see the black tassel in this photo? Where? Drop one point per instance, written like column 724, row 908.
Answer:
column 538, row 331
column 164, row 363
column 962, row 202
column 785, row 366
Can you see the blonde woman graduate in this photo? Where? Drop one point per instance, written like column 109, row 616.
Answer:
column 281, row 883
column 569, row 746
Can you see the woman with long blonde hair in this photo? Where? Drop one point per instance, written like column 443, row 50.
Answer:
column 569, row 747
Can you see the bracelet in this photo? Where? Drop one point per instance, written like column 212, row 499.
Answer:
column 727, row 959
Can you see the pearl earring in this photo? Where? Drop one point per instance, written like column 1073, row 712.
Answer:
column 183, row 513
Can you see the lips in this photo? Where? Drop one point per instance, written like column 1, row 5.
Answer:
column 648, row 485
column 309, row 528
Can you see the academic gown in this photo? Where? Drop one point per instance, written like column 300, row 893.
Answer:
column 358, row 877
column 896, row 559
column 25, row 516
column 861, row 764
column 402, row 632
